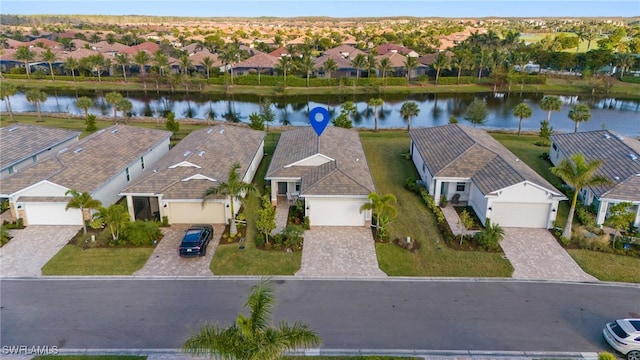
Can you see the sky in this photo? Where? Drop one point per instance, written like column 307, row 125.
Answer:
column 332, row 8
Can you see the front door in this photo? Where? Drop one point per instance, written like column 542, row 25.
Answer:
column 142, row 208
column 282, row 188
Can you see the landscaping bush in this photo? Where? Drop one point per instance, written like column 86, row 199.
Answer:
column 293, row 237
column 4, row 235
column 631, row 79
column 141, row 233
column 583, row 215
column 453, row 80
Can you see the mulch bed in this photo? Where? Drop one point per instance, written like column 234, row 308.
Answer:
column 242, row 233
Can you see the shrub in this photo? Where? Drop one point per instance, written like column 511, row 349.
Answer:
column 165, row 221
column 453, row 80
column 342, row 121
column 584, row 216
column 91, row 123
column 293, row 237
column 4, row 235
column 141, row 233
column 490, row 237
column 606, row 356
column 306, row 223
column 412, row 185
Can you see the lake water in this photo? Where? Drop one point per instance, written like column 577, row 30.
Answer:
column 621, row 115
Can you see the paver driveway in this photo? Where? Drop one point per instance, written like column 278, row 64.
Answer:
column 536, row 255
column 339, row 251
column 165, row 260
column 32, row 247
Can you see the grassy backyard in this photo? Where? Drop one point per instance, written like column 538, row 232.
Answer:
column 390, row 170
column 73, row 260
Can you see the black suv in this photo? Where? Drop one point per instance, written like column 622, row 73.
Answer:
column 195, row 240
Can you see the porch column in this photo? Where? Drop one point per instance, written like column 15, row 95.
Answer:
column 274, row 193
column 132, row 213
column 602, row 212
column 636, row 223
column 436, row 191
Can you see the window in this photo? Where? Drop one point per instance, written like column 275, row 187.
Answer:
column 11, row 170
column 128, row 175
column 424, row 167
column 460, row 186
column 555, row 147
column 34, row 158
column 142, row 162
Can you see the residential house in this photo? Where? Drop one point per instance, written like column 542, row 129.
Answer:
column 464, row 164
column 342, row 55
column 393, row 48
column 620, row 156
column 260, row 63
column 175, row 186
column 330, row 172
column 22, row 145
column 398, row 67
column 101, row 164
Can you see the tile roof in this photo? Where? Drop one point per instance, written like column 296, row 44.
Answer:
column 616, row 152
column 212, row 151
column 19, row 142
column 260, row 60
column 103, row 155
column 460, row 151
column 347, row 174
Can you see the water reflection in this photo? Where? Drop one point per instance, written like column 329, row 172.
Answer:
column 622, row 115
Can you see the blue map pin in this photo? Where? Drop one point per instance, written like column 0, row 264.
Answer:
column 319, row 118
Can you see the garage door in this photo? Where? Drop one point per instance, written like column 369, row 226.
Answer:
column 193, row 212
column 51, row 214
column 530, row 215
column 336, row 212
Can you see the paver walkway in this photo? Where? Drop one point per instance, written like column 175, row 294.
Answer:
column 165, row 260
column 339, row 251
column 32, row 247
column 536, row 255
column 282, row 213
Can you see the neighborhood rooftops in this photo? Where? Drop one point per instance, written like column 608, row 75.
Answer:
column 460, row 151
column 201, row 160
column 620, row 157
column 90, row 162
column 20, row 142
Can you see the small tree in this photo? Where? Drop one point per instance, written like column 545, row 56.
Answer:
column 114, row 98
column 342, row 121
column 489, row 238
column 466, row 222
column 579, row 113
column 409, row 110
column 375, row 102
column 125, row 106
column 6, row 91
column 115, row 217
column 172, row 124
column 266, row 222
column 549, row 104
column 620, row 218
column 522, row 111
column 256, row 121
column 477, row 112
column 37, row 97
column 545, row 130
column 91, row 123
column 82, row 200
column 84, row 103
column 382, row 208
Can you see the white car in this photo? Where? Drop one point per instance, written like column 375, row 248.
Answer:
column 624, row 336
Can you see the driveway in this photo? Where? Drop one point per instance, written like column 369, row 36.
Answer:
column 165, row 260
column 536, row 255
column 339, row 251
column 32, row 247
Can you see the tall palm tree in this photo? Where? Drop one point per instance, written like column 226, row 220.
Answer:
column 185, row 64
column 49, row 57
column 114, row 98
column 72, row 65
column 385, row 67
column 207, row 63
column 410, row 63
column 372, row 63
column 229, row 56
column 26, row 55
column 442, row 62
column 84, row 103
column 408, row 111
column 306, row 65
column 123, row 61
column 36, row 97
column 141, row 58
column 6, row 91
column 359, row 62
column 251, row 336
column 375, row 102
column 82, row 200
column 550, row 103
column 125, row 106
column 284, row 64
column 462, row 60
column 578, row 173
column 329, row 66
column 521, row 111
column 234, row 189
column 161, row 61
column 578, row 114
column 382, row 207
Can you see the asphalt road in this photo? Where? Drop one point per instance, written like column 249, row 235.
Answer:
column 424, row 315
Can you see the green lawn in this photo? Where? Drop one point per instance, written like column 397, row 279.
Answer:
column 72, row 260
column 608, row 267
column 390, row 170
column 230, row 260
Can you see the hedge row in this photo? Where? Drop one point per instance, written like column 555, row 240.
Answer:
column 631, row 79
column 451, row 80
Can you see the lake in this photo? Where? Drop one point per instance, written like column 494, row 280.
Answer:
column 621, row 115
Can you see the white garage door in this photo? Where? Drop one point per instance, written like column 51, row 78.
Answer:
column 51, row 214
column 336, row 212
column 529, row 215
column 194, row 212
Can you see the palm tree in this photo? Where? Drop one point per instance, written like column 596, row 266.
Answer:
column 96, row 62
column 84, row 103
column 161, row 61
column 229, row 56
column 578, row 173
column 125, row 106
column 115, row 217
column 408, row 111
column 72, row 65
column 185, row 64
column 234, row 189
column 26, row 55
column 207, row 63
column 6, row 91
column 521, row 111
column 462, row 61
column 306, row 66
column 372, row 63
column 123, row 61
column 49, row 57
column 382, row 207
column 578, row 114
column 141, row 59
column 410, row 63
column 329, row 66
column 441, row 62
column 375, row 102
column 359, row 62
column 284, row 64
column 82, row 200
column 384, row 66
column 114, row 98
column 549, row 104
column 349, row 108
column 37, row 97
column 251, row 336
